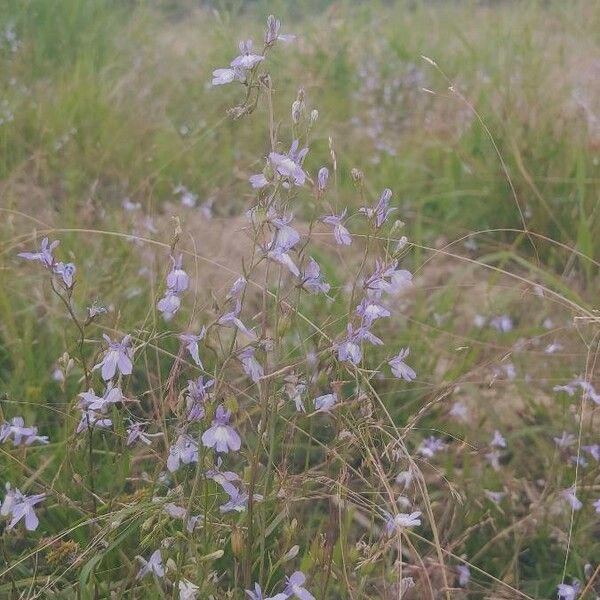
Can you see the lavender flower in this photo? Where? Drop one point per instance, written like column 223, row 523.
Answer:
column 66, row 271
column 399, row 368
column 369, row 310
column 430, row 446
column 19, row 506
column 136, row 432
column 187, row 590
column 152, row 566
column 381, row 212
column 596, row 505
column 237, row 288
column 568, row 592
column 272, row 33
column 325, row 403
column 501, row 323
column 289, row 166
column 341, row 234
column 311, row 278
column 231, row 319
column 258, row 595
column 177, row 279
column 90, row 418
column 119, row 355
column 464, row 574
column 223, row 76
column 322, row 179
column 238, row 501
column 565, row 440
column 572, row 500
column 295, row 587
column 20, row 434
column 183, row 451
column 191, row 344
column 168, row 305
column 89, row 400
column 44, row 255
column 498, row 440
column 221, row 436
column 252, row 367
column 246, row 60
column 399, row 522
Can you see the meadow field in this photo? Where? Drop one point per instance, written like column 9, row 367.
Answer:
column 311, row 317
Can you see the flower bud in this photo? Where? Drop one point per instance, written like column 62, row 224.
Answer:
column 314, row 115
column 323, row 178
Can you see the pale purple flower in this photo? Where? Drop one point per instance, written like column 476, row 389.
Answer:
column 187, row 590
column 325, row 403
column 286, row 237
column 430, row 446
column 495, row 497
column 20, row 434
column 294, row 391
column 369, row 310
column 568, row 592
column 569, row 496
column 399, row 368
column 399, row 281
column 221, row 477
column 377, row 282
column 188, row 198
column 136, row 432
column 311, row 278
column 19, row 506
column 501, row 323
column 178, row 512
column 593, row 450
column 89, row 400
column 281, row 256
column 196, row 395
column 252, row 367
column 258, row 181
column 90, row 418
column 223, row 76
column 221, row 436
column 498, row 440
column 118, row 355
column 239, row 285
column 349, row 350
column 565, row 440
column 401, row 521
column 258, row 595
column 290, row 165
column 295, row 587
column 459, row 411
column 569, row 388
column 94, row 310
column 322, row 179
column 66, row 271
column 44, row 255
column 272, row 33
column 464, row 574
column 152, row 566
column 596, row 505
column 381, row 212
column 191, row 344
column 183, row 451
column 238, row 501
column 246, row 60
column 177, row 279
column 231, row 319
column 341, row 234
column 168, row 305
column 493, row 457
